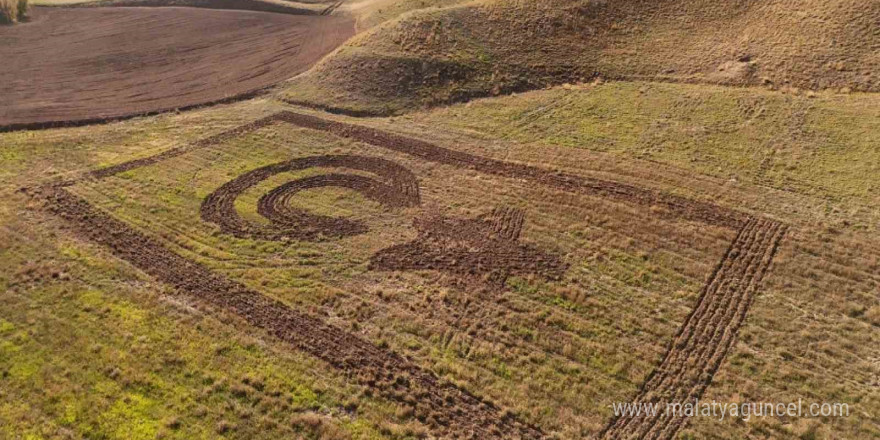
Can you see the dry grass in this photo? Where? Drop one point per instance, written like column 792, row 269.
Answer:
column 135, row 347
column 529, row 347
column 13, row 11
column 555, row 354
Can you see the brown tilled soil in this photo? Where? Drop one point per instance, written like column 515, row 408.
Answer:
column 691, row 361
column 489, row 47
column 396, row 187
column 707, row 335
column 486, row 249
column 239, row 5
column 668, row 205
column 81, row 65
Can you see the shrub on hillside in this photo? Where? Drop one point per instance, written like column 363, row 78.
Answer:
column 12, row 11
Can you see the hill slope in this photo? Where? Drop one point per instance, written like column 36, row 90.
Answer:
column 482, row 48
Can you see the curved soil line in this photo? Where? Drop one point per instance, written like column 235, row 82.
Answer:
column 396, row 187
column 691, row 361
column 78, row 66
column 674, row 206
column 706, row 336
column 332, row 8
column 727, row 295
column 275, row 206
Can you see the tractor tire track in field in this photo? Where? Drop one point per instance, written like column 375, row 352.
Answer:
column 694, row 356
column 449, row 410
column 701, row 344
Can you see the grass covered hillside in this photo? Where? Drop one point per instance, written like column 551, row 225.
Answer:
column 554, row 209
column 481, row 48
column 92, row 346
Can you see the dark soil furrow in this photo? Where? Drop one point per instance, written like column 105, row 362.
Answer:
column 707, row 319
column 707, row 296
column 493, row 252
column 507, row 222
column 706, row 336
column 469, row 249
column 729, row 333
column 175, row 152
column 332, row 8
column 725, row 342
column 678, row 206
column 710, row 347
column 659, row 383
column 396, row 187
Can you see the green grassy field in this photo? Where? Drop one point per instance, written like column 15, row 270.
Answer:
column 546, row 332
column 642, row 94
column 821, row 145
column 450, row 51
column 809, row 160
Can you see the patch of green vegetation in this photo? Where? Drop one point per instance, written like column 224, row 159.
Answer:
column 6, row 326
column 132, row 416
column 823, row 144
column 149, row 372
column 13, row 11
column 42, row 155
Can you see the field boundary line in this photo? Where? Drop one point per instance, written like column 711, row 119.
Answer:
column 696, row 352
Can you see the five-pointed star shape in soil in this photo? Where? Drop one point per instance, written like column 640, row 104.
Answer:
column 486, row 248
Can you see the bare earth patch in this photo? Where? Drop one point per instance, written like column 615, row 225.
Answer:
column 81, row 65
column 689, row 365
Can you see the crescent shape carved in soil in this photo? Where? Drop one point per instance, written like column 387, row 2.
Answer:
column 394, row 186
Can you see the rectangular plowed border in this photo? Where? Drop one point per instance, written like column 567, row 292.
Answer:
column 686, row 371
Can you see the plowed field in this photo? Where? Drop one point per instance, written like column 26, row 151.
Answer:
column 72, row 66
